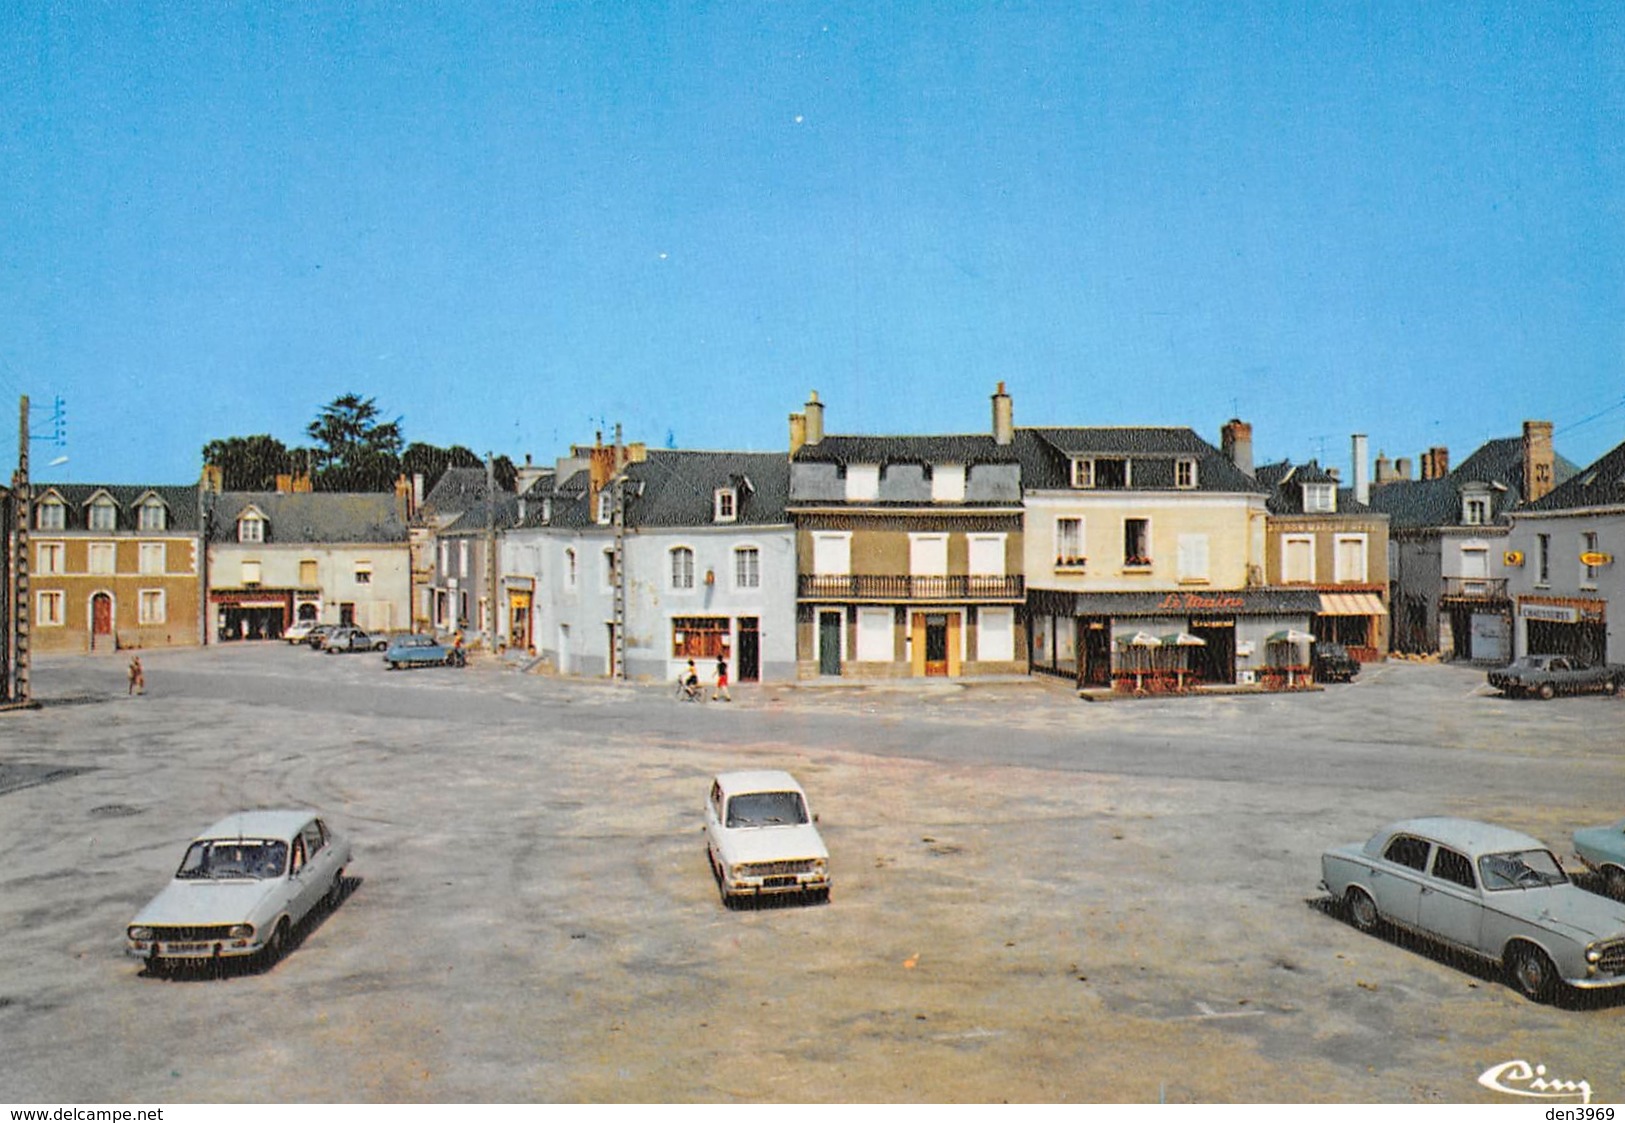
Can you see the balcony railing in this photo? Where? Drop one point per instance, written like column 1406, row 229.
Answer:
column 1476, row 588
column 869, row 586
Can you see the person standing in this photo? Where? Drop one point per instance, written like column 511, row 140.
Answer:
column 722, row 681
column 138, row 677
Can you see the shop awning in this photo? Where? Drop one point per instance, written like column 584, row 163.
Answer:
column 1351, row 604
column 1229, row 602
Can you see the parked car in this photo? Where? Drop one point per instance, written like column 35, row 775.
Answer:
column 1602, row 849
column 421, row 650
column 353, row 639
column 241, row 888
column 299, row 631
column 1548, row 675
column 1485, row 890
column 760, row 838
column 1333, row 663
column 317, row 636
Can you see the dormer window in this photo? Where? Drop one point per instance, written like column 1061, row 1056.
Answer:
column 52, row 515
column 547, row 510
column 152, row 515
column 948, row 483
column 606, row 506
column 725, row 505
column 1101, row 472
column 1475, row 510
column 103, row 514
column 251, row 528
column 1319, row 498
column 862, row 481
column 1185, row 474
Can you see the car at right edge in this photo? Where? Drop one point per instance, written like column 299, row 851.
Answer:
column 1546, row 676
column 1491, row 892
column 1602, row 849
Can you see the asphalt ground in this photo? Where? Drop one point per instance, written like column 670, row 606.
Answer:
column 1035, row 898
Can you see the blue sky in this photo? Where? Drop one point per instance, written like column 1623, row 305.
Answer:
column 513, row 225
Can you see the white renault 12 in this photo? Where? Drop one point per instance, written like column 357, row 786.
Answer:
column 761, row 840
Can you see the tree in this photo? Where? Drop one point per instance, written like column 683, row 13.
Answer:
column 355, row 451
column 249, row 463
column 431, row 462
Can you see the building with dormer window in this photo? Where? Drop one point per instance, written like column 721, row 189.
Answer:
column 1565, row 561
column 114, row 566
column 329, row 557
column 1448, row 549
column 1322, row 537
column 909, row 551
column 1142, row 538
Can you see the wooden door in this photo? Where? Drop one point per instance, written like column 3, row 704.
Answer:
column 101, row 619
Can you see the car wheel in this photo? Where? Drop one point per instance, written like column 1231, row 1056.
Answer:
column 1531, row 972
column 1547, row 690
column 1362, row 910
column 277, row 945
column 379, row 646
column 1610, row 686
column 1614, row 879
column 335, row 891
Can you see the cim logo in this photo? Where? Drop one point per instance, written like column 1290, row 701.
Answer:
column 1520, row 1078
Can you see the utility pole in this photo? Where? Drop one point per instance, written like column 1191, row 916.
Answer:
column 21, row 684
column 618, row 558
column 491, row 551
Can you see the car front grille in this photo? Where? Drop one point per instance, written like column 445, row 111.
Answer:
column 177, row 932
column 779, row 869
column 1613, row 958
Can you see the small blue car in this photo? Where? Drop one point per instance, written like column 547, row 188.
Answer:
column 419, row 650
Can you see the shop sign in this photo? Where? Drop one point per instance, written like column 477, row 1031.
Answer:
column 1200, row 602
column 1595, row 557
column 1550, row 612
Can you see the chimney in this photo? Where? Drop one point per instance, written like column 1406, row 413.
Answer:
column 1236, row 441
column 284, row 483
column 1385, row 468
column 1362, row 480
column 1538, row 460
column 1402, row 468
column 213, row 478
column 798, row 432
column 1436, row 463
column 403, row 492
column 815, row 419
column 417, row 490
column 1004, row 419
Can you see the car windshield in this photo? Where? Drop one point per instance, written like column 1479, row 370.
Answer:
column 236, row 858
column 1520, row 869
column 766, row 809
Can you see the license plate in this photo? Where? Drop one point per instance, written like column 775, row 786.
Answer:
column 779, row 883
column 185, row 949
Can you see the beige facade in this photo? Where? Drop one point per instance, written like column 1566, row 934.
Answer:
column 1344, row 557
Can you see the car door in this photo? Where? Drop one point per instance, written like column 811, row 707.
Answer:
column 1396, row 879
column 713, row 820
column 308, row 881
column 1450, row 904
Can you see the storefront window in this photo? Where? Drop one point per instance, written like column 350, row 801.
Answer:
column 699, row 637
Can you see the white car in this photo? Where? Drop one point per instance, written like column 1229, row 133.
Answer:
column 760, row 838
column 241, row 888
column 1488, row 891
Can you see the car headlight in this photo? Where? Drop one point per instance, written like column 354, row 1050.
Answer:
column 241, row 931
column 137, row 932
column 736, row 872
column 818, row 865
column 1593, row 954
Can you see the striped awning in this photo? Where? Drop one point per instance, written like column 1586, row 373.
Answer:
column 1351, row 604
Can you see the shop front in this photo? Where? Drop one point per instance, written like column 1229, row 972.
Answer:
column 1576, row 626
column 1152, row 642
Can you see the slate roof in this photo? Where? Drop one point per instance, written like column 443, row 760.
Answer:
column 1047, row 454
column 315, row 517
column 960, row 448
column 181, row 499
column 456, row 490
column 676, row 488
column 1599, row 484
column 1286, row 496
column 1414, row 504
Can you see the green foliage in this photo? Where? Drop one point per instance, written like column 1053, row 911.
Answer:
column 249, row 463
column 355, row 450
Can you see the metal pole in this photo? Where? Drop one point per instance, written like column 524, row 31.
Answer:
column 23, row 693
column 490, row 551
column 618, row 558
